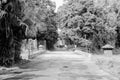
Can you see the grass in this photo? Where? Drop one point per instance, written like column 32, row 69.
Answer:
column 110, row 64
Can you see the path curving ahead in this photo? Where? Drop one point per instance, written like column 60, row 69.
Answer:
column 60, row 65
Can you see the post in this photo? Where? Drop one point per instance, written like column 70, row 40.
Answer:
column 29, row 48
column 45, row 44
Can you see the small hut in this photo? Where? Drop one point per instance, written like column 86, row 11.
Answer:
column 108, row 50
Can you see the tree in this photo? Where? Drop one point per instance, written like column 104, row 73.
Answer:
column 41, row 14
column 12, row 31
column 87, row 21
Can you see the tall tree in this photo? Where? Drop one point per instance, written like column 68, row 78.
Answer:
column 82, row 19
column 12, row 31
column 39, row 15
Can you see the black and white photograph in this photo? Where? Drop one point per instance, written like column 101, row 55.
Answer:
column 59, row 39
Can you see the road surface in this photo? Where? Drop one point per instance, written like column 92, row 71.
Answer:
column 58, row 65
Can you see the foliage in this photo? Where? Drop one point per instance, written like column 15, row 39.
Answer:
column 12, row 31
column 82, row 19
column 51, row 39
column 36, row 12
column 40, row 18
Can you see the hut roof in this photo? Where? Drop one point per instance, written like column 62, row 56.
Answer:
column 107, row 46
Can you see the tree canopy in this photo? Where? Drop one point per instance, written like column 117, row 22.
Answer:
column 21, row 19
column 40, row 16
column 82, row 19
column 85, row 23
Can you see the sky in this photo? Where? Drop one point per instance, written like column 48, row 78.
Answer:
column 58, row 4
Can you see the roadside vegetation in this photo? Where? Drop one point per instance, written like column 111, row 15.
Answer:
column 90, row 24
column 24, row 19
column 12, row 32
column 85, row 23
